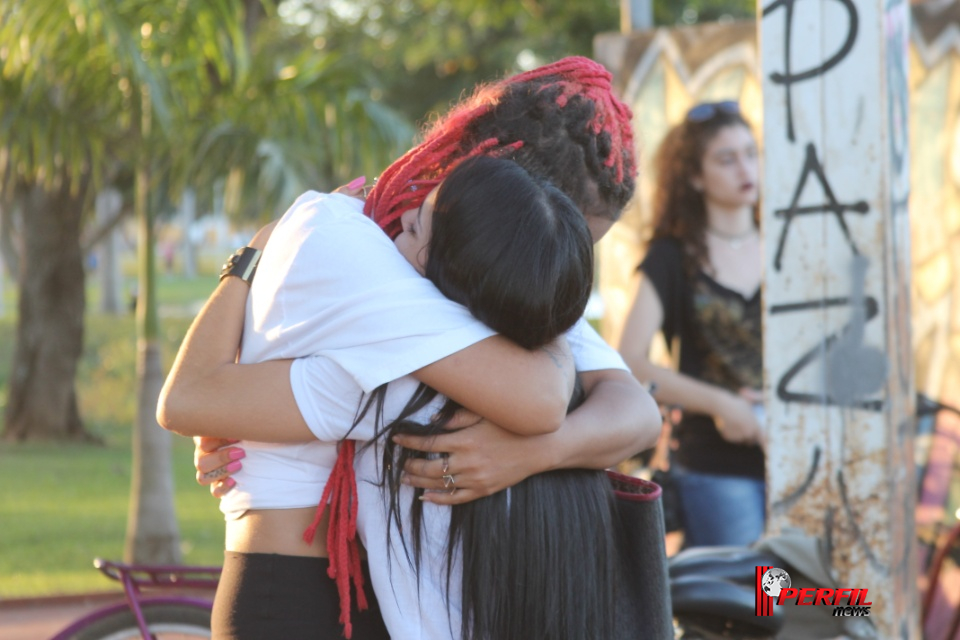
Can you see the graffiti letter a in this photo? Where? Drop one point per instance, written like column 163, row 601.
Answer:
column 812, row 165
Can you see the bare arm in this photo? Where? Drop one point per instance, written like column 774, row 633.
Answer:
column 527, row 392
column 617, row 419
column 208, row 394
column 732, row 413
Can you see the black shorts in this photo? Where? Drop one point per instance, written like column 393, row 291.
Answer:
column 263, row 595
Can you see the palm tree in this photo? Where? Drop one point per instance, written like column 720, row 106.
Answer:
column 81, row 93
column 176, row 95
column 59, row 123
column 301, row 118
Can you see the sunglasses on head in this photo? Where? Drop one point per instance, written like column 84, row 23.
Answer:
column 706, row 110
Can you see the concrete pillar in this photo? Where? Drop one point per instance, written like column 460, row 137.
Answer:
column 837, row 353
column 107, row 207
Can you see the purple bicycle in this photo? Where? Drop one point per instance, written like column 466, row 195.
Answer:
column 149, row 617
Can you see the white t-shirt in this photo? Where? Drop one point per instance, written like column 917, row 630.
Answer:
column 332, row 291
column 330, row 283
column 413, row 607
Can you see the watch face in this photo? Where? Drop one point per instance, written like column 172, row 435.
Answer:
column 243, row 264
column 229, row 264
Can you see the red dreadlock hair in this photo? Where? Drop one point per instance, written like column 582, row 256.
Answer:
column 523, row 118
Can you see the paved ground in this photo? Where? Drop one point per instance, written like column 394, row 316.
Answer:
column 41, row 618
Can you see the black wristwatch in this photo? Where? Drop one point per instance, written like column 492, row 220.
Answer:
column 242, row 264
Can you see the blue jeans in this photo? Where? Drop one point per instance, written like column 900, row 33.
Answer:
column 720, row 510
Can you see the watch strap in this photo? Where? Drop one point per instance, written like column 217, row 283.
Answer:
column 242, row 264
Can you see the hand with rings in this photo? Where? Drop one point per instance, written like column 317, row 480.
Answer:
column 475, row 459
column 444, row 482
column 216, row 460
column 448, row 480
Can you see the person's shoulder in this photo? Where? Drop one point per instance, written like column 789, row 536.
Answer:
column 663, row 252
column 326, row 238
column 666, row 245
column 330, row 224
column 315, row 209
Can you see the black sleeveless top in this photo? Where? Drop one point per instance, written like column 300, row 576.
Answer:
column 717, row 332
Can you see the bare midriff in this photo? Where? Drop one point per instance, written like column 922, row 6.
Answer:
column 277, row 531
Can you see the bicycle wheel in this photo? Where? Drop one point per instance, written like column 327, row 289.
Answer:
column 165, row 621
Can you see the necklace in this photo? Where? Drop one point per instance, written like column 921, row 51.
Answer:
column 735, row 242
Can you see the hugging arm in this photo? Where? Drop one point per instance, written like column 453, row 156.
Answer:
column 617, row 419
column 208, row 394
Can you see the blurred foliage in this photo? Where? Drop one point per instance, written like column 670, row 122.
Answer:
column 300, row 119
column 74, row 77
column 243, row 103
column 420, row 55
column 258, row 100
column 667, row 12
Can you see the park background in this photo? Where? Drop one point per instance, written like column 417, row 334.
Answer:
column 144, row 141
column 180, row 127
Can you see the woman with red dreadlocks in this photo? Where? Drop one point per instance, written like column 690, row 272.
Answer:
column 561, row 122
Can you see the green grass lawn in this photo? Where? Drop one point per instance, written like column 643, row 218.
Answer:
column 61, row 505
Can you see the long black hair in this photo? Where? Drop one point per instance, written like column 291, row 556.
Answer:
column 511, row 248
column 537, row 561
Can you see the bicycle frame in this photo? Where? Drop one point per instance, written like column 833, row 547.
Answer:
column 134, row 578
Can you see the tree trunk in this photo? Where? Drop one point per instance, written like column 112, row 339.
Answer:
column 3, row 281
column 3, row 277
column 253, row 12
column 8, row 246
column 108, row 206
column 153, row 536
column 188, row 208
column 42, row 401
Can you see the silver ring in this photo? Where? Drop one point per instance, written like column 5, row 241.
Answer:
column 449, row 481
column 446, row 462
column 216, row 473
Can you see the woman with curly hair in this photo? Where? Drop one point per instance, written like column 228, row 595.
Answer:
column 700, row 286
